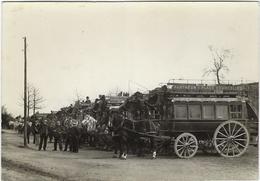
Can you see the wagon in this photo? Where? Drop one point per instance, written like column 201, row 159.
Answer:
column 203, row 116
column 212, row 115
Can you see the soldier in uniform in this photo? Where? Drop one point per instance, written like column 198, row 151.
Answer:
column 33, row 130
column 43, row 135
column 33, row 127
column 67, row 135
column 37, row 132
column 29, row 130
column 74, row 133
column 57, row 133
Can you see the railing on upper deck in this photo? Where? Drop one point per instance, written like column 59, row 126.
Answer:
column 207, row 87
column 207, row 81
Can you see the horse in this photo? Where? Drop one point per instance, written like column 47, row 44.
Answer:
column 125, row 131
column 137, row 109
column 119, row 135
column 137, row 106
column 89, row 129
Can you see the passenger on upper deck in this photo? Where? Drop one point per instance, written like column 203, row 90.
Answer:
column 102, row 110
column 87, row 100
column 163, row 102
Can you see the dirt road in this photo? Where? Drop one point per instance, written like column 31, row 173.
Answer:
column 23, row 164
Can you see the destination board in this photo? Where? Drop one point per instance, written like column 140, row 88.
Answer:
column 207, row 88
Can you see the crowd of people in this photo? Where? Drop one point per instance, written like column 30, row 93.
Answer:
column 64, row 128
column 60, row 135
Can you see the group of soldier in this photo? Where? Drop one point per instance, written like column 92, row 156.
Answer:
column 42, row 131
column 64, row 134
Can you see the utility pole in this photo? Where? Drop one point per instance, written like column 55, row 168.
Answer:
column 129, row 87
column 25, row 94
column 34, row 101
column 28, row 103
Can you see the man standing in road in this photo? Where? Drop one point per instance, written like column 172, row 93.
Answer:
column 29, row 130
column 43, row 135
column 57, row 136
column 74, row 132
column 67, row 134
column 37, row 132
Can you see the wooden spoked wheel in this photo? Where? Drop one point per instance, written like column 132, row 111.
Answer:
column 231, row 139
column 186, row 145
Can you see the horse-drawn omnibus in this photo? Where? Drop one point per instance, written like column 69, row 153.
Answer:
column 198, row 113
column 204, row 116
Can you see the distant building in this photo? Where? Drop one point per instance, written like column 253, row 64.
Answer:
column 115, row 101
column 40, row 115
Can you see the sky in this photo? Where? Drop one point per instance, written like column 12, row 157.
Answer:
column 96, row 48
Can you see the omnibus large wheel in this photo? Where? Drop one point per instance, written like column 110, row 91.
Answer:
column 186, row 145
column 231, row 139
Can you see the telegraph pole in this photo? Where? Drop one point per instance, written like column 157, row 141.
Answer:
column 25, row 94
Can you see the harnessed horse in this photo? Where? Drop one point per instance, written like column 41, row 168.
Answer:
column 89, row 129
column 126, row 131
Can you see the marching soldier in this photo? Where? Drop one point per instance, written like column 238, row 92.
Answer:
column 57, row 136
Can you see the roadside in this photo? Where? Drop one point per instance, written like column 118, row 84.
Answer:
column 29, row 164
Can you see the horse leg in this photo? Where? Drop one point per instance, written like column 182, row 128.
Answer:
column 140, row 145
column 88, row 139
column 124, row 148
column 34, row 135
column 153, row 148
column 50, row 137
column 133, row 147
column 120, row 144
column 91, row 140
column 116, row 146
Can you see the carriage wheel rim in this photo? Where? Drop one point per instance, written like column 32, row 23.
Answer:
column 186, row 145
column 231, row 139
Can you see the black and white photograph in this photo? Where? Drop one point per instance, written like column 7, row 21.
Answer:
column 129, row 91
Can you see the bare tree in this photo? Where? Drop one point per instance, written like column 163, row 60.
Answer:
column 34, row 99
column 29, row 102
column 218, row 65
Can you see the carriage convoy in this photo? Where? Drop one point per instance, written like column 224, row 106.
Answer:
column 180, row 116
